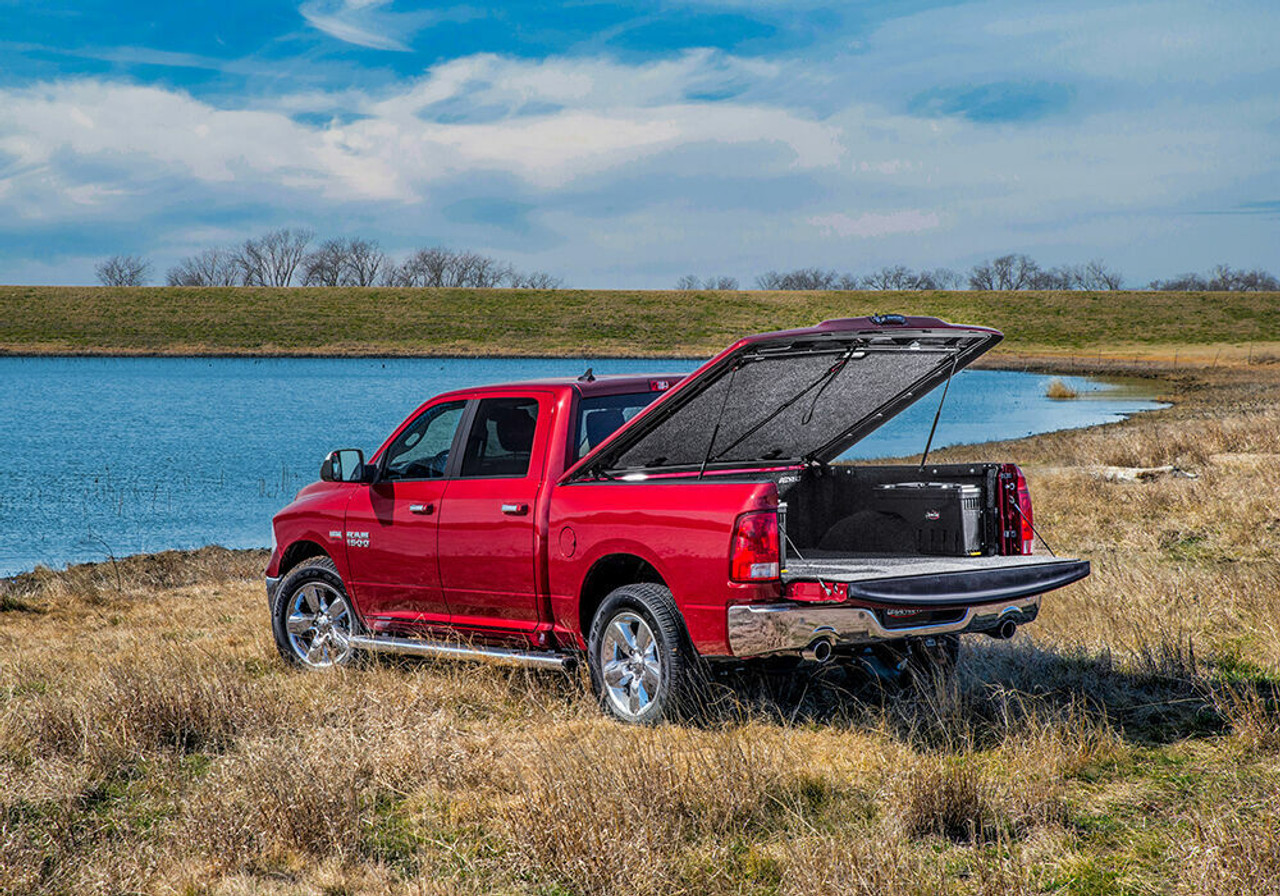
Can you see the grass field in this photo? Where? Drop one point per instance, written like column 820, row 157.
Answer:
column 1128, row 742
column 1225, row 327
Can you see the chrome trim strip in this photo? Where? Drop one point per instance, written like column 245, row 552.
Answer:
column 757, row 629
column 415, row 647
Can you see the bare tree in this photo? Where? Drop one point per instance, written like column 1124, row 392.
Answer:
column 982, row 277
column 445, row 267
column 1223, row 278
column 123, row 270
column 212, row 267
column 721, row 283
column 1007, row 272
column 688, row 282
column 364, row 263
column 273, row 258
column 326, row 265
column 896, row 277
column 536, row 280
column 1096, row 275
column 1181, row 283
column 800, row 279
column 426, row 267
column 938, row 278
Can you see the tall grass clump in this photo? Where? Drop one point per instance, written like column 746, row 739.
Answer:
column 1060, row 391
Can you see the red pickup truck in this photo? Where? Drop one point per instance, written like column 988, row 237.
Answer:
column 661, row 523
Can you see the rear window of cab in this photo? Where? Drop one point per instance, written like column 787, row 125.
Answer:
column 601, row 416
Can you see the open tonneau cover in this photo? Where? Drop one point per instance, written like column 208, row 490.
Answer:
column 790, row 397
column 952, row 581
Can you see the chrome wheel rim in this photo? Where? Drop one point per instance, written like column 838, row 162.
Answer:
column 630, row 664
column 319, row 625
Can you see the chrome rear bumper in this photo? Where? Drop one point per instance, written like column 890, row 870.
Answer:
column 759, row 629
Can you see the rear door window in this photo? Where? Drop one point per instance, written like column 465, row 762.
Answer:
column 500, row 443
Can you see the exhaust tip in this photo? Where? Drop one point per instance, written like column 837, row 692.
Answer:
column 1005, row 630
column 819, row 651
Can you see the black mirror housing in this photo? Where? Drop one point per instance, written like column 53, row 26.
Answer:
column 343, row 465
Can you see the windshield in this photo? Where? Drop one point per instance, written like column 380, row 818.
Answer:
column 601, row 416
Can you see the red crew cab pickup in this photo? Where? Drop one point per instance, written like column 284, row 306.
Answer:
column 658, row 524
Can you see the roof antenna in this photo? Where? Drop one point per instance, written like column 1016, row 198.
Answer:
column 932, row 429
column 587, row 377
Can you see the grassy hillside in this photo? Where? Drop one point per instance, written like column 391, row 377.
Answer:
column 1127, row 742
column 522, row 322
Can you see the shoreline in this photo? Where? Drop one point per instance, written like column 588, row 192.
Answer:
column 10, row 580
column 1157, row 361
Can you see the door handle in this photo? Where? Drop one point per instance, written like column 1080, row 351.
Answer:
column 515, row 509
column 424, row 509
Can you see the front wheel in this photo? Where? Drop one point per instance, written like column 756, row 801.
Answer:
column 312, row 618
column 643, row 667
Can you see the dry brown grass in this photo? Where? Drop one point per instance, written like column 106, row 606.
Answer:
column 151, row 741
column 1059, row 390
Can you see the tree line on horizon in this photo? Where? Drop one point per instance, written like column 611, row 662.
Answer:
column 1006, row 273
column 293, row 257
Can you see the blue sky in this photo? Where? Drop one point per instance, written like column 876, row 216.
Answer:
column 625, row 144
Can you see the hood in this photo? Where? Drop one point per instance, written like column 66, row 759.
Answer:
column 790, row 397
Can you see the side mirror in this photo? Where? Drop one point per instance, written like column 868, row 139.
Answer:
column 345, row 465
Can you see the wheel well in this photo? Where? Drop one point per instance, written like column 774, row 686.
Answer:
column 609, row 573
column 298, row 552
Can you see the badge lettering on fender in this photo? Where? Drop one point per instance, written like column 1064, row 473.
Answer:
column 357, row 539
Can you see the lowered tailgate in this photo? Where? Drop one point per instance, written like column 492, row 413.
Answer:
column 950, row 581
column 862, row 600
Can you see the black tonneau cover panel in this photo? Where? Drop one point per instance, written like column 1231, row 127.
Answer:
column 790, row 397
column 950, row 581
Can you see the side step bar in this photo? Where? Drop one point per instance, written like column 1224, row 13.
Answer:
column 544, row 659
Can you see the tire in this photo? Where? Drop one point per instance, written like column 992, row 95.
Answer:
column 643, row 666
column 312, row 618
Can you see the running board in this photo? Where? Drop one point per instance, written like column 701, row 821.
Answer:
column 544, row 659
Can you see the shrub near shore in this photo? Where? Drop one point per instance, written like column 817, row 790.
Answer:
column 150, row 740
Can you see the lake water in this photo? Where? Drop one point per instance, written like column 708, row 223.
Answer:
column 126, row 455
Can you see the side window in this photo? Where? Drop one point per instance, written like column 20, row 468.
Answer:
column 422, row 450
column 600, row 417
column 501, row 438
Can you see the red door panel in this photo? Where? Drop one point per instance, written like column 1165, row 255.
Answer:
column 392, row 526
column 487, row 534
column 391, row 551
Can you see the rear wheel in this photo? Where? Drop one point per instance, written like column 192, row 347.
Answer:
column 643, row 667
column 312, row 618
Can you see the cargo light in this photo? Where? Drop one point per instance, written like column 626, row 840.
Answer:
column 754, row 555
column 1017, row 534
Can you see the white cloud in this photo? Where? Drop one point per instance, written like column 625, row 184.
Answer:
column 353, row 22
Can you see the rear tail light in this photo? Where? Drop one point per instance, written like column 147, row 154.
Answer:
column 1016, row 533
column 754, row 555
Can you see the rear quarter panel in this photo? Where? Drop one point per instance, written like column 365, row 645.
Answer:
column 682, row 529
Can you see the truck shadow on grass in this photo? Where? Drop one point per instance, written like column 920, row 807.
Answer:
column 1159, row 697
